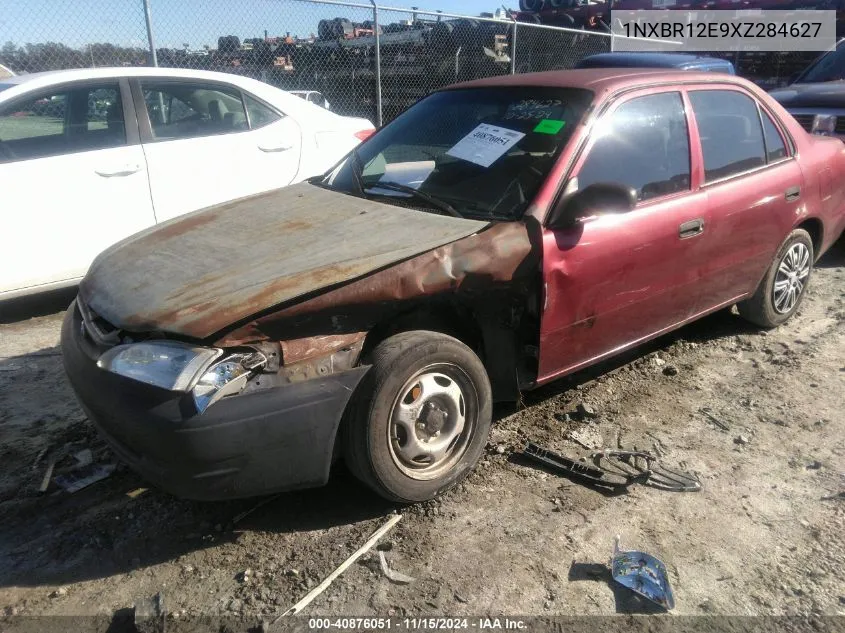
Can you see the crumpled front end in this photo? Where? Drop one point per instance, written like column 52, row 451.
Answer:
column 255, row 406
column 262, row 436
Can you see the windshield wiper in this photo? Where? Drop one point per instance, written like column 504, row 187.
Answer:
column 395, row 186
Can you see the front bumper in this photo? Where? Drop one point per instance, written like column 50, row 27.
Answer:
column 265, row 441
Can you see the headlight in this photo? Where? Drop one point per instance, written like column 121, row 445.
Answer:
column 166, row 364
column 224, row 378
column 824, row 124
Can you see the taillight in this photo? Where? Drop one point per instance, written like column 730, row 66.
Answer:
column 363, row 135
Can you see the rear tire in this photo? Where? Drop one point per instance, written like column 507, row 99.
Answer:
column 782, row 290
column 419, row 420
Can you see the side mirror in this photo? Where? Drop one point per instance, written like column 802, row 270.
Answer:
column 596, row 199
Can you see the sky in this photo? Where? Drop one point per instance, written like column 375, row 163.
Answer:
column 192, row 22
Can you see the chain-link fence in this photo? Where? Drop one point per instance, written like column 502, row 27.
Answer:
column 364, row 59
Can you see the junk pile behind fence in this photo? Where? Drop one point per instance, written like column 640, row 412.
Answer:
column 366, row 60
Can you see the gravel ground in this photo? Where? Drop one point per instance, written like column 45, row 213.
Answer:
column 759, row 539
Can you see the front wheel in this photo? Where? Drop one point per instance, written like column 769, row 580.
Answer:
column 783, row 288
column 420, row 418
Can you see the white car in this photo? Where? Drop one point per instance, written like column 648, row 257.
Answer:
column 312, row 96
column 89, row 157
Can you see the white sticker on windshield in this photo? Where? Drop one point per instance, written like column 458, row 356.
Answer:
column 409, row 174
column 485, row 144
column 412, row 174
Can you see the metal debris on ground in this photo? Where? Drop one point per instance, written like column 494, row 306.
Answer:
column 392, row 574
column 134, row 494
column 84, row 457
column 615, row 469
column 84, row 477
column 643, row 468
column 575, row 470
column 241, row 516
column 643, row 574
column 149, row 614
column 48, row 474
column 715, row 420
column 38, row 458
column 366, row 547
column 586, row 437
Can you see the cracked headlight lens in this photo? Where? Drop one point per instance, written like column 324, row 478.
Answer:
column 224, row 378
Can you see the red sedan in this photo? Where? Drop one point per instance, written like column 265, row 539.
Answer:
column 497, row 235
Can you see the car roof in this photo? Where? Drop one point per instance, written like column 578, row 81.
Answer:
column 52, row 77
column 599, row 80
column 290, row 103
column 655, row 60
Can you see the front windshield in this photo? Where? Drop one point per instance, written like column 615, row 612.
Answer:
column 481, row 153
column 829, row 67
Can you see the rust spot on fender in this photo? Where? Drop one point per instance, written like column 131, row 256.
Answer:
column 184, row 225
column 298, row 350
column 475, row 264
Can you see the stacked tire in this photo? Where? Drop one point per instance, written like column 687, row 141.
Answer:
column 339, row 28
column 532, row 5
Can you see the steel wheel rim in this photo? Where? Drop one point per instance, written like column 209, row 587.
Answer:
column 791, row 278
column 432, row 420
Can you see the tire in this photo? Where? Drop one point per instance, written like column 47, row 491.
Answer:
column 791, row 270
column 324, row 30
column 421, row 369
column 531, row 5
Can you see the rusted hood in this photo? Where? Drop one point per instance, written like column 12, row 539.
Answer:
column 200, row 273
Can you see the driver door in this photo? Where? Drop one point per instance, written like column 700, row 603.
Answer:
column 613, row 281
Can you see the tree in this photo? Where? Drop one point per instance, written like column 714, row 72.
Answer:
column 33, row 58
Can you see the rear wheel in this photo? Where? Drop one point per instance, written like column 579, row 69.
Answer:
column 420, row 419
column 783, row 288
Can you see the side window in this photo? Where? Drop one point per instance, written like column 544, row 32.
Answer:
column 645, row 145
column 730, row 132
column 775, row 149
column 96, row 118
column 187, row 110
column 54, row 123
column 259, row 114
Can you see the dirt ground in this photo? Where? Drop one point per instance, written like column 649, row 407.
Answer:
column 759, row 538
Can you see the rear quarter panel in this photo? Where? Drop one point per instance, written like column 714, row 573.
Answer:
column 822, row 161
column 825, row 169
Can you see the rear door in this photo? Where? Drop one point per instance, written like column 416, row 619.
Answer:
column 73, row 180
column 615, row 280
column 754, row 190
column 209, row 142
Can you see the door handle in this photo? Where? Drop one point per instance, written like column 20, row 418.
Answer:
column 123, row 170
column 691, row 228
column 792, row 194
column 274, row 148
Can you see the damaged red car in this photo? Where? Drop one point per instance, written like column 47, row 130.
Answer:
column 497, row 235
